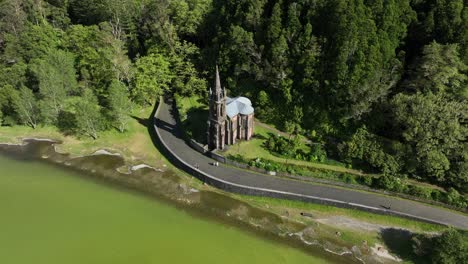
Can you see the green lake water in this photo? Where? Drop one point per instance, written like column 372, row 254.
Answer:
column 52, row 216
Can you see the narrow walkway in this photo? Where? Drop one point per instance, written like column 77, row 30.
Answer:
column 170, row 135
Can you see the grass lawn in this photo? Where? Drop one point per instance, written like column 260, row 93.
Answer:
column 135, row 144
column 254, row 149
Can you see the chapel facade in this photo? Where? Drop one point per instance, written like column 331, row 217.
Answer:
column 230, row 119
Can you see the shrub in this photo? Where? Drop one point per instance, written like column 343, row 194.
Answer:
column 367, row 147
column 419, row 191
column 348, row 178
column 385, row 182
column 317, row 152
column 366, row 180
column 437, row 195
column 454, row 198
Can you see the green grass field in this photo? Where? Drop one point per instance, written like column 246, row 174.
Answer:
column 254, row 149
column 135, row 144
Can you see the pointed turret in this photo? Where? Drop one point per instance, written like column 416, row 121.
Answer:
column 219, row 93
column 217, row 80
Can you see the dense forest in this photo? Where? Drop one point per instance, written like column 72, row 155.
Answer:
column 382, row 84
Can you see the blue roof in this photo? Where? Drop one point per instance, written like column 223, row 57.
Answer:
column 238, row 105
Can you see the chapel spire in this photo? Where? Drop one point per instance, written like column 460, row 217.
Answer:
column 217, row 80
column 217, row 119
column 218, row 91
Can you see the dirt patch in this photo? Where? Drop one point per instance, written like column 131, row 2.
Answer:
column 382, row 252
column 350, row 223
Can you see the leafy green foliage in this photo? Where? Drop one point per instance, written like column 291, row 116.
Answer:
column 450, row 247
column 100, row 57
column 281, row 145
column 382, row 83
column 188, row 15
column 88, row 115
column 119, row 105
column 366, row 147
column 185, row 78
column 26, row 106
column 34, row 42
column 152, row 77
column 89, row 12
column 56, row 78
column 441, row 71
column 433, row 128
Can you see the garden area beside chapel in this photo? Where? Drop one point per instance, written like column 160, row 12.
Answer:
column 272, row 150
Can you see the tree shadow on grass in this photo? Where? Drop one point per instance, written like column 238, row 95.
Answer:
column 142, row 121
column 399, row 243
column 259, row 136
column 196, row 124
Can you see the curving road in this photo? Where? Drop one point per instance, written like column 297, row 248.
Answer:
column 170, row 135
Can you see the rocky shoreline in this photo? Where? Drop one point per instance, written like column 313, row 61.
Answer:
column 188, row 194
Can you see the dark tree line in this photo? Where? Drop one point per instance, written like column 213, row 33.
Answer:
column 381, row 83
column 82, row 65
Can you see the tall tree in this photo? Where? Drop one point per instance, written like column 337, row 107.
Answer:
column 34, row 42
column 441, row 71
column 433, row 127
column 12, row 17
column 450, row 248
column 88, row 115
column 188, row 15
column 353, row 64
column 116, row 52
column 152, row 77
column 186, row 80
column 57, row 79
column 99, row 56
column 119, row 105
column 26, row 106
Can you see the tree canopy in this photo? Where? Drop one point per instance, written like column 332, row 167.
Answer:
column 381, row 84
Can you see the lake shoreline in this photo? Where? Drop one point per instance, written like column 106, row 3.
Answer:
column 175, row 191
column 175, row 185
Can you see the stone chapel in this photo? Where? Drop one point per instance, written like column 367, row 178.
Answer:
column 230, row 119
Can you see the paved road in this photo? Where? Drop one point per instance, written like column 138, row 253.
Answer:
column 171, row 135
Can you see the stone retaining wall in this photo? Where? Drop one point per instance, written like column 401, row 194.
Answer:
column 198, row 147
column 345, row 185
column 217, row 157
column 220, row 158
column 248, row 190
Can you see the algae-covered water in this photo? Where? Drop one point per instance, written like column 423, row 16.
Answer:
column 53, row 216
